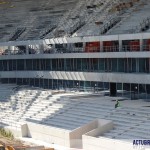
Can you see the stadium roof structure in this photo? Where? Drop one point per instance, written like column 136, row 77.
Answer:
column 30, row 20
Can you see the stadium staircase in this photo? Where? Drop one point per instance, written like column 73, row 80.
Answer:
column 66, row 111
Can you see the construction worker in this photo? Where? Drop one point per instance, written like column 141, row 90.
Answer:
column 117, row 104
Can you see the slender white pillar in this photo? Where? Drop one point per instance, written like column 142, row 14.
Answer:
column 141, row 44
column 101, row 46
column 120, row 45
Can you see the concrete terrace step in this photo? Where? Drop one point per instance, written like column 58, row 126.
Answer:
column 125, row 124
column 71, row 125
column 87, row 112
column 89, row 108
column 121, row 119
column 54, row 124
column 66, row 118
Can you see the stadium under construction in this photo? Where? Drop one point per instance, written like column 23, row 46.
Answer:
column 63, row 64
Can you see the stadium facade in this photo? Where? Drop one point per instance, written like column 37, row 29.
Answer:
column 116, row 64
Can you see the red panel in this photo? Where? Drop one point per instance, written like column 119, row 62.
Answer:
column 108, row 43
column 148, row 42
column 92, row 47
column 108, row 46
column 134, row 45
column 148, row 45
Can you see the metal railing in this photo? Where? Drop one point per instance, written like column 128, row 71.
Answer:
column 146, row 48
column 13, row 52
column 125, row 48
column 130, row 48
column 111, row 48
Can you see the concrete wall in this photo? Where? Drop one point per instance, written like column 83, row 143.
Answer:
column 142, row 54
column 83, row 137
column 72, row 139
column 24, row 130
column 93, row 143
column 98, row 125
column 15, row 131
column 78, row 138
column 76, row 135
column 81, row 76
column 103, row 126
column 48, row 134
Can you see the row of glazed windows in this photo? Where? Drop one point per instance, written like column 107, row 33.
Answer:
column 127, row 65
column 123, row 89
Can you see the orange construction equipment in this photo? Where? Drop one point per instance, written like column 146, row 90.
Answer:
column 49, row 149
column 9, row 148
column 3, row 147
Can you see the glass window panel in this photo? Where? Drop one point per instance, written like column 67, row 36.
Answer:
column 121, row 65
column 101, row 65
column 54, row 64
column 114, row 65
column 79, row 64
column 133, row 65
column 20, row 64
column 29, row 64
column 142, row 65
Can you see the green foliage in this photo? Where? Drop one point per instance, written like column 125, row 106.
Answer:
column 6, row 133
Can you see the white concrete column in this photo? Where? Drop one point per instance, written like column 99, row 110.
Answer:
column 69, row 46
column 141, row 44
column 101, row 46
column 11, row 49
column 27, row 49
column 120, row 45
column 84, row 44
column 41, row 47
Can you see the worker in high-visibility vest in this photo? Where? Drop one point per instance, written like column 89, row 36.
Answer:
column 117, row 104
